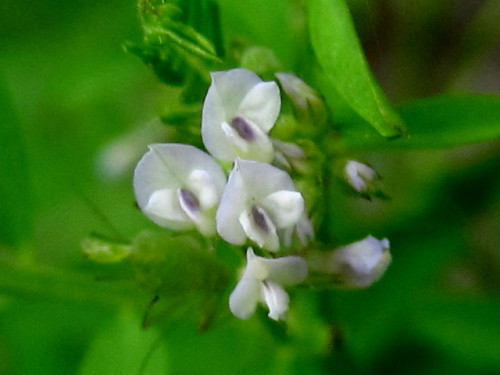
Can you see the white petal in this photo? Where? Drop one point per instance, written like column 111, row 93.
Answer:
column 202, row 184
column 261, row 105
column 233, row 86
column 168, row 166
column 165, row 204
column 259, row 228
column 223, row 98
column 285, row 207
column 363, row 262
column 359, row 175
column 233, row 202
column 256, row 268
column 244, row 298
column 262, row 179
column 191, row 206
column 249, row 182
column 213, row 116
column 276, row 299
column 289, row 270
column 259, row 148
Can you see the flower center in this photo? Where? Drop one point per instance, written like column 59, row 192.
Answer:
column 243, row 128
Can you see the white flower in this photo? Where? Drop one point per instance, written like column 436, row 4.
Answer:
column 263, row 281
column 238, row 112
column 179, row 186
column 259, row 200
column 360, row 176
column 357, row 265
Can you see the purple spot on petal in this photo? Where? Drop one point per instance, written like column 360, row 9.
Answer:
column 259, row 218
column 243, row 128
column 189, row 200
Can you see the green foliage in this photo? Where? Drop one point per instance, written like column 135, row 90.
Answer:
column 259, row 23
column 15, row 186
column 186, row 279
column 436, row 122
column 177, row 52
column 338, row 51
column 123, row 348
column 170, row 264
column 68, row 90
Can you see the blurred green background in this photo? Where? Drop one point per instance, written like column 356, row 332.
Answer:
column 76, row 112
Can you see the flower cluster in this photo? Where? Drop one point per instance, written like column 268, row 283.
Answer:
column 181, row 187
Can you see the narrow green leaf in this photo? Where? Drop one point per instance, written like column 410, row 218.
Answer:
column 436, row 122
column 338, row 51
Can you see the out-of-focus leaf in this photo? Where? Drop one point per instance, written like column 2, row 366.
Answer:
column 338, row 51
column 171, row 264
column 31, row 283
column 15, row 193
column 260, row 22
column 187, row 279
column 436, row 122
column 123, row 348
column 462, row 328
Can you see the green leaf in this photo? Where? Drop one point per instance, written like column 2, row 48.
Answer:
column 15, row 192
column 175, row 264
column 186, row 279
column 123, row 348
column 261, row 23
column 463, row 328
column 338, row 51
column 433, row 123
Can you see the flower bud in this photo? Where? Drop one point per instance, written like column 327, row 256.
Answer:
column 102, row 250
column 307, row 102
column 357, row 265
column 359, row 176
column 261, row 60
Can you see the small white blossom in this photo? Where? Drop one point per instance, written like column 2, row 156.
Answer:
column 259, row 200
column 238, row 112
column 263, row 281
column 360, row 176
column 357, row 265
column 179, row 186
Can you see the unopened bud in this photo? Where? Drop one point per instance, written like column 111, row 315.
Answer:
column 357, row 265
column 360, row 177
column 306, row 100
column 260, row 60
column 102, row 250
